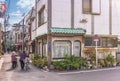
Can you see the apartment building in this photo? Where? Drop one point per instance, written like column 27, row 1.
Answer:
column 68, row 27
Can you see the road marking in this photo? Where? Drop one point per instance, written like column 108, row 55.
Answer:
column 87, row 71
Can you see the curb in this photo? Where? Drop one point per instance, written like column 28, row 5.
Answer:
column 88, row 71
column 1, row 62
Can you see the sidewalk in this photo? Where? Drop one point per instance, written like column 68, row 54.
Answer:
column 87, row 71
column 1, row 61
column 34, row 74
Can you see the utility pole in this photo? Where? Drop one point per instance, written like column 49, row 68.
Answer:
column 5, row 41
column 35, row 26
column 23, row 31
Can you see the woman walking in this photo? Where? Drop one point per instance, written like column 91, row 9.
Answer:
column 14, row 60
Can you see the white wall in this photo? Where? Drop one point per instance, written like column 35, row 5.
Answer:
column 61, row 16
column 101, row 22
column 61, row 13
column 42, row 30
column 116, row 17
column 33, row 31
column 33, row 35
column 79, row 16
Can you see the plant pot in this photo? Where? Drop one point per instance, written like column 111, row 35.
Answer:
column 52, row 67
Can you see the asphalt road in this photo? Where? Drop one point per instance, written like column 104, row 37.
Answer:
column 105, row 75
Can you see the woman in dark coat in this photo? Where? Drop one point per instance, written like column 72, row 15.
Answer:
column 22, row 58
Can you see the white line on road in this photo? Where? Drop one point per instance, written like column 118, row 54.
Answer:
column 87, row 71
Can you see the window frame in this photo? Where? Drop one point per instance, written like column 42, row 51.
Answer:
column 41, row 11
column 84, row 11
column 54, row 48
column 79, row 48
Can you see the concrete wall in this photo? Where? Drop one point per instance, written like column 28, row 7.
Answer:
column 41, row 30
column 33, row 33
column 61, row 16
column 116, row 16
column 61, row 13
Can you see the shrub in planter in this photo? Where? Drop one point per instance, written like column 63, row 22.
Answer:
column 107, row 63
column 38, row 63
column 44, row 62
column 35, row 57
column 92, row 57
column 110, row 58
column 75, row 63
column 83, row 62
column 59, row 65
column 72, row 62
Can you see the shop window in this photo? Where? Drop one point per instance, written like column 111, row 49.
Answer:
column 76, row 48
column 89, row 41
column 108, row 42
column 61, row 48
column 103, row 42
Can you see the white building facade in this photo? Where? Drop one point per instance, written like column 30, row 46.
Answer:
column 67, row 26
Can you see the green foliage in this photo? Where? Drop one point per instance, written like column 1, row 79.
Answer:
column 38, row 61
column 83, row 62
column 110, row 59
column 70, row 62
column 93, row 56
column 44, row 62
column 59, row 65
column 102, row 62
column 36, row 56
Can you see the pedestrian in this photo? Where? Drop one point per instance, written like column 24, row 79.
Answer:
column 22, row 59
column 14, row 60
column 8, row 50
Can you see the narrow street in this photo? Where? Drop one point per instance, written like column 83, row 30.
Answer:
column 34, row 74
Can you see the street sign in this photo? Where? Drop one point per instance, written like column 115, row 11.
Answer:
column 96, row 37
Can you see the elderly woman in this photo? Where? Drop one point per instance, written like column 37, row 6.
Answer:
column 14, row 60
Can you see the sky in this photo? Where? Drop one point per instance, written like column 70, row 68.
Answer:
column 16, row 8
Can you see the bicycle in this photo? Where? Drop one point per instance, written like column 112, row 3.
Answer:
column 27, row 64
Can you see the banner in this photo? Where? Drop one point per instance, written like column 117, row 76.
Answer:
column 2, row 9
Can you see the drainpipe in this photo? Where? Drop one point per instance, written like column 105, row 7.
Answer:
column 110, row 17
column 72, row 14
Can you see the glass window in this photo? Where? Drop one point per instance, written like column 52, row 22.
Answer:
column 86, row 6
column 88, row 41
column 109, row 42
column 61, row 48
column 103, row 42
column 76, row 49
column 41, row 16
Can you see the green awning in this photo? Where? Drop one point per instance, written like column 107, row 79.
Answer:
column 67, row 31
